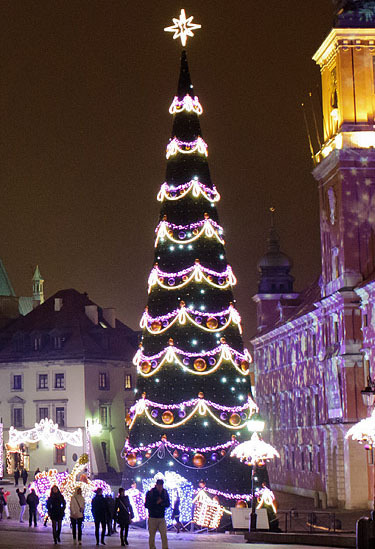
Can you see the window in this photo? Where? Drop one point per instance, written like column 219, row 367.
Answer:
column 302, row 460
column 316, row 409
column 58, row 342
column 17, row 417
column 336, row 331
column 60, row 456
column 128, row 381
column 42, row 381
column 60, row 416
column 37, row 343
column 310, row 462
column 59, row 381
column 43, row 413
column 103, row 381
column 103, row 413
column 17, row 382
column 293, row 460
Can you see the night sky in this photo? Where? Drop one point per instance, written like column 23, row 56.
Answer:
column 85, row 88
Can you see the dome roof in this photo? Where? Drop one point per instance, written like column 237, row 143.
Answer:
column 274, row 259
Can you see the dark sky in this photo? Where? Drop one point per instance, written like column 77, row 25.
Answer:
column 85, row 87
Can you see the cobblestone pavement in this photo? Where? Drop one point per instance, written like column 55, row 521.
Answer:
column 20, row 536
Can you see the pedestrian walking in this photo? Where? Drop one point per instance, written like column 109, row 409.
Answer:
column 36, row 472
column 16, row 476
column 176, row 514
column 110, row 513
column 5, row 505
column 32, row 501
column 77, row 509
column 124, row 515
column 24, row 476
column 157, row 501
column 22, row 502
column 56, row 509
column 2, row 502
column 99, row 509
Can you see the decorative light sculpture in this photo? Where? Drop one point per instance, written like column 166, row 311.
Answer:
column 182, row 27
column 207, row 511
column 46, row 431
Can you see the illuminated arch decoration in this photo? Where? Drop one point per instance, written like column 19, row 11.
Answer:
column 46, row 431
column 148, row 366
column 195, row 273
column 171, row 192
column 186, row 234
column 186, row 147
column 230, row 417
column 187, row 104
column 206, row 321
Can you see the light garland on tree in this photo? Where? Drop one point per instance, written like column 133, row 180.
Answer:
column 147, row 366
column 195, row 273
column 172, row 192
column 214, row 322
column 164, row 442
column 187, row 104
column 237, row 420
column 186, row 147
column 254, row 450
column 188, row 233
column 207, row 511
column 46, row 431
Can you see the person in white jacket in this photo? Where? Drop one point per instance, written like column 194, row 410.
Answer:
column 77, row 509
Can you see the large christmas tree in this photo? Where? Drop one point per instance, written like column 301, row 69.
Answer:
column 194, row 394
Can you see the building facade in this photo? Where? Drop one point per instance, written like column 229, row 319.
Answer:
column 314, row 350
column 68, row 361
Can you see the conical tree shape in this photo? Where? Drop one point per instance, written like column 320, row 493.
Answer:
column 194, row 395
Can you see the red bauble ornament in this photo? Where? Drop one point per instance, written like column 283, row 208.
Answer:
column 131, row 459
column 175, row 454
column 241, row 503
column 199, row 460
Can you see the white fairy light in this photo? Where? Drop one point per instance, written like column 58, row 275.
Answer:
column 182, row 27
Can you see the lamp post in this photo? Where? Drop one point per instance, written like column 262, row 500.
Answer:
column 251, row 452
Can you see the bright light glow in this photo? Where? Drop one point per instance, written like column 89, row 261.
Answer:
column 254, row 450
column 267, row 498
column 46, row 431
column 188, row 104
column 364, row 431
column 169, row 192
column 182, row 27
column 186, row 147
column 170, row 446
column 136, row 500
column 207, row 511
column 94, row 427
column 208, row 228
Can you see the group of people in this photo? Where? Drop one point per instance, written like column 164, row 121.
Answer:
column 106, row 511
column 20, row 474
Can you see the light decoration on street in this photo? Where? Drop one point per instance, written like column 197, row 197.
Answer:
column 46, row 431
column 177, row 487
column 67, row 485
column 1, row 450
column 206, row 321
column 147, row 366
column 187, row 104
column 176, row 192
column 137, row 502
column 266, row 498
column 364, row 431
column 207, row 227
column 199, row 406
column 186, row 147
column 182, row 27
column 196, row 273
column 207, row 511
column 254, row 450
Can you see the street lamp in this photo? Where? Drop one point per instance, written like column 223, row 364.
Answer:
column 252, row 452
column 368, row 393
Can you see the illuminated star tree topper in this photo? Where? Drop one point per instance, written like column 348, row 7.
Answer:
column 182, row 27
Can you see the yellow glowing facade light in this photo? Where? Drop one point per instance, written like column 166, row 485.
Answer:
column 94, row 427
column 182, row 27
column 347, row 140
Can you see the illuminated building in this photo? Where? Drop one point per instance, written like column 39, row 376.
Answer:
column 314, row 349
column 66, row 380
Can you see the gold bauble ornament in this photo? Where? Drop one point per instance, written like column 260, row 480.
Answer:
column 199, row 460
column 212, row 323
column 200, row 394
column 235, row 420
column 146, row 367
column 195, row 232
column 241, row 504
column 156, row 326
column 131, row 459
column 167, row 417
column 128, row 420
column 244, row 365
column 200, row 364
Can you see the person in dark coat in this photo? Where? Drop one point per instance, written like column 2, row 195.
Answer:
column 110, row 514
column 157, row 501
column 56, row 509
column 2, row 504
column 124, row 515
column 22, row 502
column 16, row 477
column 32, row 501
column 24, row 476
column 99, row 508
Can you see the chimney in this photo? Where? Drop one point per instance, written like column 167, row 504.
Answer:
column 92, row 313
column 109, row 316
column 58, row 304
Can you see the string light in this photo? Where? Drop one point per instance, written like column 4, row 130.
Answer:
column 182, row 27
column 187, row 104
column 207, row 511
column 173, row 446
column 46, row 431
column 171, row 192
column 186, row 147
column 136, row 500
column 254, row 450
column 209, row 228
